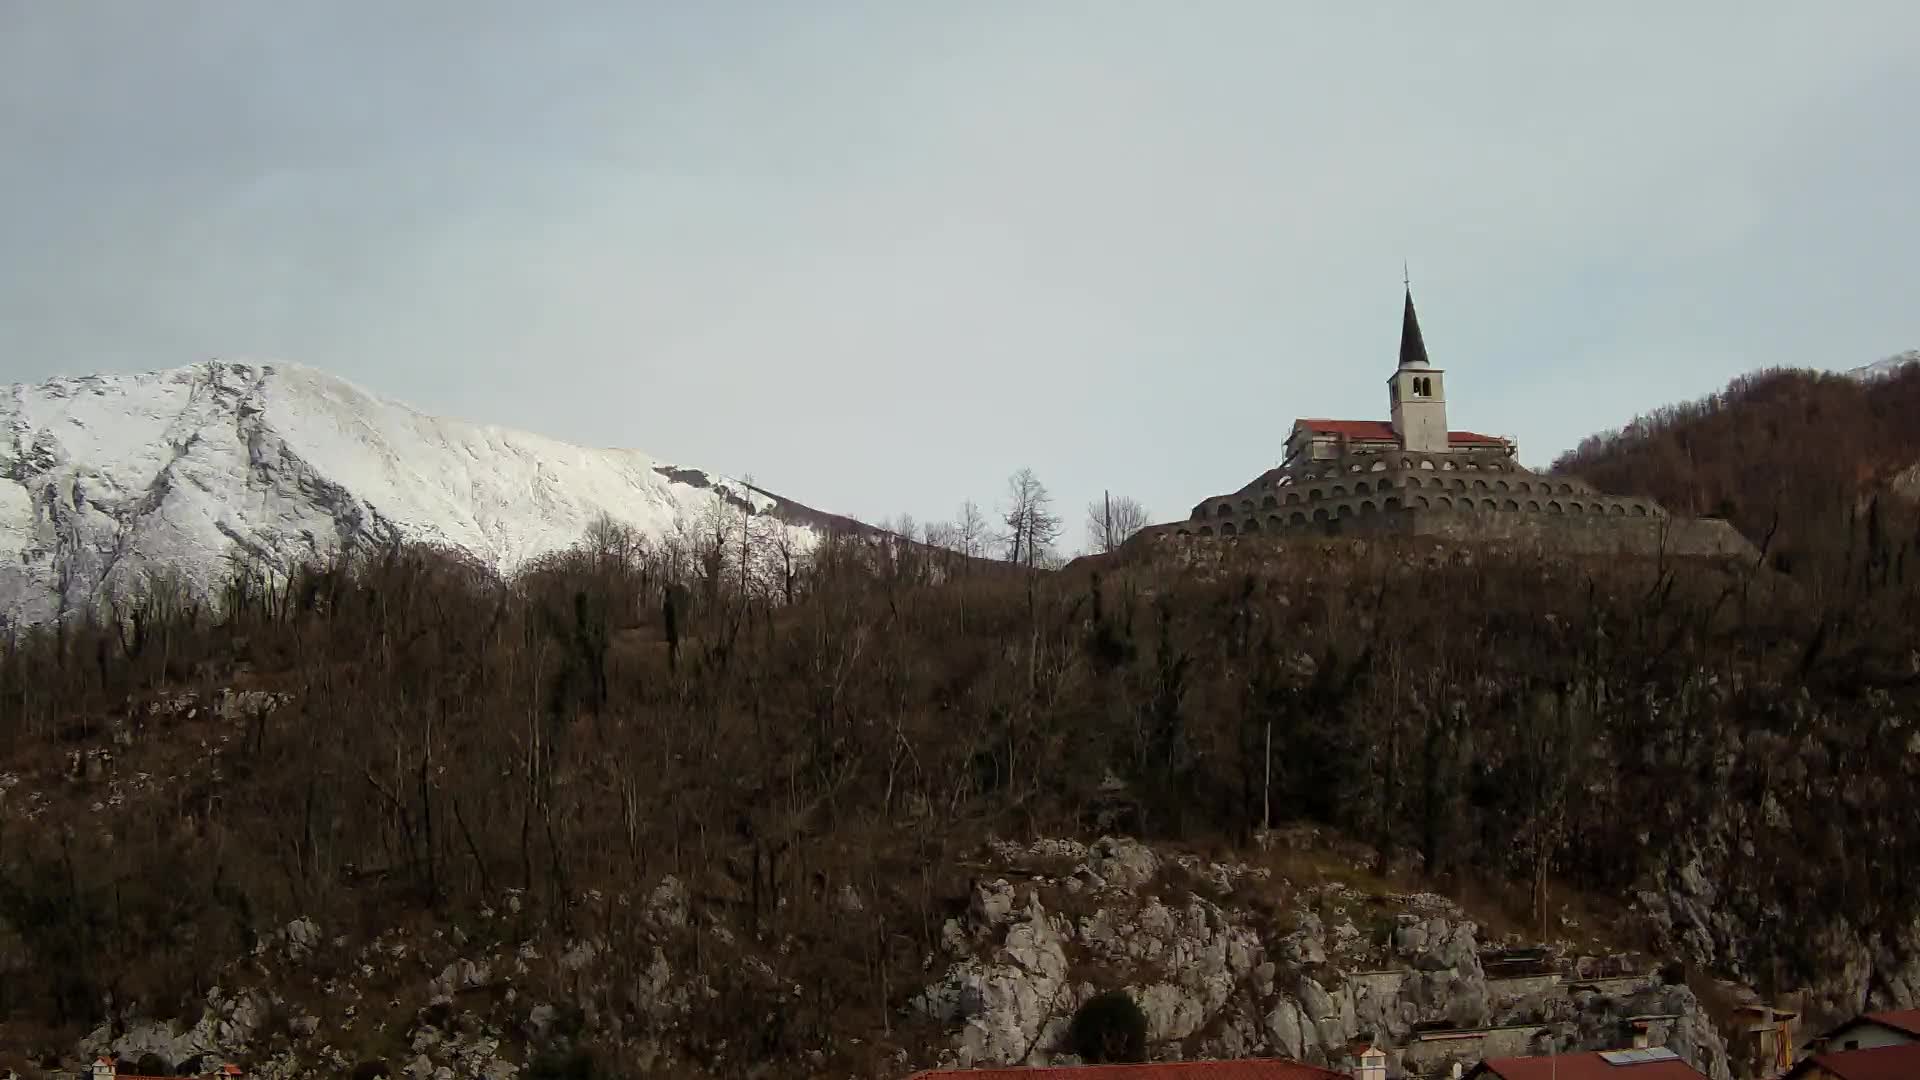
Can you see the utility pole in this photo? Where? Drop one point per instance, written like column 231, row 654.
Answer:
column 1266, row 786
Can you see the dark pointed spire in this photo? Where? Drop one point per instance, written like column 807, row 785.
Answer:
column 1413, row 350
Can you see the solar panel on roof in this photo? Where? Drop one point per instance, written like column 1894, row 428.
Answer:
column 1638, row 1056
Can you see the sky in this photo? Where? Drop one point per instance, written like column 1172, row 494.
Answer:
column 880, row 255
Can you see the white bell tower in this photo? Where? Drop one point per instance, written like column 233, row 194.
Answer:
column 1418, row 391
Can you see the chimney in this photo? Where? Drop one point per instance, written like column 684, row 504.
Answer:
column 1371, row 1065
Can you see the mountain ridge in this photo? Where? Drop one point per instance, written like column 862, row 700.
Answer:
column 108, row 481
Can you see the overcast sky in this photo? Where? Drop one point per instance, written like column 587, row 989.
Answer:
column 880, row 255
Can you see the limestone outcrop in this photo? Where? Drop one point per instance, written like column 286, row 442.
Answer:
column 1220, row 971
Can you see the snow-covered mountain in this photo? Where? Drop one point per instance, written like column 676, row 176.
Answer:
column 107, row 480
column 1883, row 368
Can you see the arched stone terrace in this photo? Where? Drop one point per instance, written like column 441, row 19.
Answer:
column 1480, row 480
column 1362, row 485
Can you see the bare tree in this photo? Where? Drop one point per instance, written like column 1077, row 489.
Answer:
column 609, row 540
column 971, row 530
column 1032, row 526
column 783, row 559
column 942, row 534
column 1112, row 519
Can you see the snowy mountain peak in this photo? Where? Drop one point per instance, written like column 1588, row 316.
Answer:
column 107, row 480
column 1884, row 368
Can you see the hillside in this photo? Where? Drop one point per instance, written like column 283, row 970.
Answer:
column 107, row 482
column 617, row 811
column 719, row 804
column 1792, row 456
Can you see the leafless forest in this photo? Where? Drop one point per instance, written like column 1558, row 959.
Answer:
column 776, row 727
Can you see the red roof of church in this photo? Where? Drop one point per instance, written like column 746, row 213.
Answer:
column 1251, row 1069
column 1382, row 431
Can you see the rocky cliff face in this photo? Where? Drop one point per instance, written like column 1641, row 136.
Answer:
column 1220, row 973
column 1225, row 960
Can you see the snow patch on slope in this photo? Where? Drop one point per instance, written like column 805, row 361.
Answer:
column 108, row 480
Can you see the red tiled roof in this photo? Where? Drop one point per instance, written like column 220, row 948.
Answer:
column 1250, row 1069
column 1382, row 431
column 1878, row 1063
column 1584, row 1066
column 1907, row 1020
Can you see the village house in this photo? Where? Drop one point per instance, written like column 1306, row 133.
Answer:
column 105, row 1068
column 1370, row 1065
column 1900, row 1027
column 1762, row 1037
column 1895, row 1061
column 1640, row 1063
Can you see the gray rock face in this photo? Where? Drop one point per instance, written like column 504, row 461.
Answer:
column 1202, row 974
column 1122, row 863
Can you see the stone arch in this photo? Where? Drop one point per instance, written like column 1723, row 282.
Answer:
column 1344, row 510
column 1533, row 506
column 1206, row 530
column 1392, row 503
column 1459, row 484
column 1274, row 522
column 1252, row 526
column 1246, row 505
column 1293, row 497
column 1419, row 502
column 1510, row 505
column 1315, row 494
column 1494, row 466
column 1499, row 485
column 1575, row 508
column 1470, row 467
column 1617, row 510
column 1367, row 507
column 1427, row 464
column 1319, row 513
column 1298, row 518
column 1378, row 466
column 1269, row 502
column 1361, row 488
column 1566, row 489
column 1488, row 504
column 1227, row 529
column 1337, row 492
column 1354, row 468
column 1479, row 485
column 1223, row 509
column 1639, row 510
column 1181, row 532
column 1554, row 507
column 1445, row 502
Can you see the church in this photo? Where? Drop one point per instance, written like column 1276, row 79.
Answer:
column 1413, row 474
